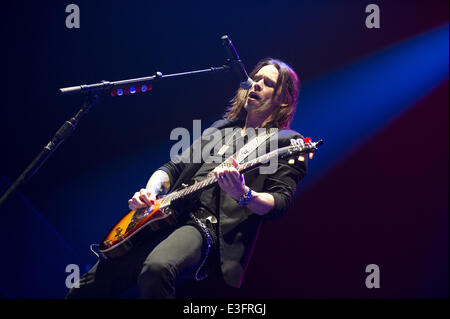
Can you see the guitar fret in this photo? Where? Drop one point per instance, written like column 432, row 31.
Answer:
column 211, row 180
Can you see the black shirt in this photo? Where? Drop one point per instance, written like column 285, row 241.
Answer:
column 238, row 227
column 209, row 199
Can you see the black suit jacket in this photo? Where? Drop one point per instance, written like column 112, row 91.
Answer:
column 239, row 226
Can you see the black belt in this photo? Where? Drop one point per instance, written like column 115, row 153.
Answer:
column 206, row 222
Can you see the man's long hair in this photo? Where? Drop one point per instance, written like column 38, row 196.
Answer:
column 287, row 87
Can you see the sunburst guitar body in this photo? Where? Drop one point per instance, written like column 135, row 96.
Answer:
column 130, row 229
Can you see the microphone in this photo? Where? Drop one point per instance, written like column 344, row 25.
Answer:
column 236, row 63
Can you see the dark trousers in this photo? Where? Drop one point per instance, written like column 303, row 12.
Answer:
column 157, row 267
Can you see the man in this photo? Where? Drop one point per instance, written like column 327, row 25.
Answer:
column 221, row 223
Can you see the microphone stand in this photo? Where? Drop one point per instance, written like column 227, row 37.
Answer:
column 92, row 95
column 106, row 85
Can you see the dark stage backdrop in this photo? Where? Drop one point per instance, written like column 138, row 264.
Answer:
column 377, row 191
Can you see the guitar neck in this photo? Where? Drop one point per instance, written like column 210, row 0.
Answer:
column 210, row 181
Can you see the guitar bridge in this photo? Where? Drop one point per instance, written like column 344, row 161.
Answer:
column 118, row 233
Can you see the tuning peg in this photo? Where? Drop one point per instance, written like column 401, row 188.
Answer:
column 311, row 155
column 301, row 158
column 291, row 161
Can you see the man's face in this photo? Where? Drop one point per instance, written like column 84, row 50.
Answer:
column 261, row 94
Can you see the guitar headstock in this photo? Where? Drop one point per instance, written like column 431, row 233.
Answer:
column 300, row 147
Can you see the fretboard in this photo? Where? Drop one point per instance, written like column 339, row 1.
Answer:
column 209, row 181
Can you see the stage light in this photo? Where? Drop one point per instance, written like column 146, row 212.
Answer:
column 351, row 104
column 132, row 90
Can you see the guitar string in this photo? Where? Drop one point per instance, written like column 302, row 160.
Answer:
column 208, row 181
column 199, row 185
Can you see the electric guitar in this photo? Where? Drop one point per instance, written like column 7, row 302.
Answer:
column 129, row 230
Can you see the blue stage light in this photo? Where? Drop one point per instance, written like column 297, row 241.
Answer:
column 348, row 106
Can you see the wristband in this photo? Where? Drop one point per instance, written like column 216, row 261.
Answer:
column 244, row 200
